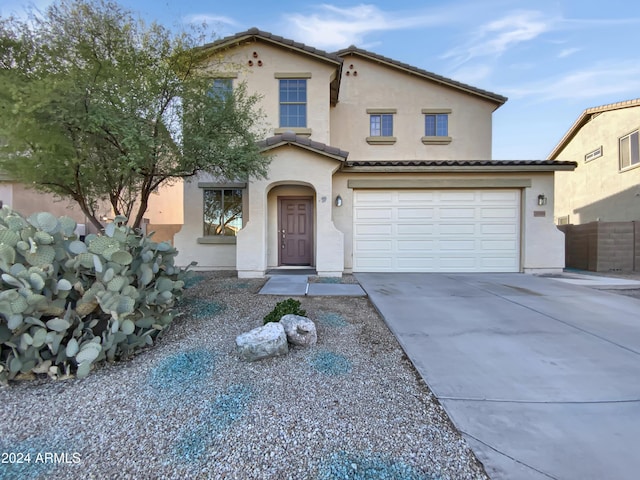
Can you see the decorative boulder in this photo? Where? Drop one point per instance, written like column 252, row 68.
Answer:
column 262, row 342
column 299, row 330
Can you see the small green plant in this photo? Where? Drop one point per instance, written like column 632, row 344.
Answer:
column 285, row 307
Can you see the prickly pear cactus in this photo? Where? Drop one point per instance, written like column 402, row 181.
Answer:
column 67, row 304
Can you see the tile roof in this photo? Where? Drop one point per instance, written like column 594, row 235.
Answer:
column 499, row 99
column 585, row 117
column 480, row 164
column 286, row 42
column 290, row 138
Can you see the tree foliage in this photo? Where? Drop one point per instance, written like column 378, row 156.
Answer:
column 96, row 105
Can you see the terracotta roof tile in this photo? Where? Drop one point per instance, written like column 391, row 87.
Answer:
column 305, row 142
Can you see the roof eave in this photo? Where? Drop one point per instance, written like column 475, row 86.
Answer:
column 458, row 168
column 496, row 99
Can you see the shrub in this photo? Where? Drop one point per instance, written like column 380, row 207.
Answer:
column 66, row 304
column 285, row 307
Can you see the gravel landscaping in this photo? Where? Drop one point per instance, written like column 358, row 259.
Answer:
column 351, row 406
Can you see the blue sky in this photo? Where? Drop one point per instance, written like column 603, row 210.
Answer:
column 552, row 58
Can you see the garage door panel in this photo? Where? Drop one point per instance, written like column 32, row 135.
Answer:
column 375, row 229
column 498, row 229
column 457, row 229
column 376, row 198
column 453, row 212
column 374, row 214
column 498, row 213
column 405, row 213
column 499, row 245
column 456, row 196
column 375, row 245
column 415, row 245
column 436, row 231
column 416, row 264
column 499, row 196
column 447, row 245
column 415, row 198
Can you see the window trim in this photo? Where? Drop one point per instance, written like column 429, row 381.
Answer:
column 381, row 139
column 436, row 139
column 292, row 76
column 631, row 165
column 213, row 186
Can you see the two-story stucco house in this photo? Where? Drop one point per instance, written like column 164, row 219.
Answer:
column 377, row 166
column 598, row 205
column 606, row 184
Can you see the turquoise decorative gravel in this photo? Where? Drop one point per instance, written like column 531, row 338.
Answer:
column 367, row 466
column 193, row 281
column 218, row 415
column 183, row 370
column 332, row 319
column 331, row 363
column 203, row 308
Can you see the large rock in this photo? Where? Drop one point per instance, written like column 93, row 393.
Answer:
column 299, row 330
column 262, row 342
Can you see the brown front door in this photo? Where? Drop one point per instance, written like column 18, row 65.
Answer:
column 295, row 230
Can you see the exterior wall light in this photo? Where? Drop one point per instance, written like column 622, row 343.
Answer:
column 542, row 200
column 338, row 201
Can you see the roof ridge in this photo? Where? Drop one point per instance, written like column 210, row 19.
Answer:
column 613, row 106
column 256, row 32
column 304, row 141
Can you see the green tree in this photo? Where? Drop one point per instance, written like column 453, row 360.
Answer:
column 96, row 105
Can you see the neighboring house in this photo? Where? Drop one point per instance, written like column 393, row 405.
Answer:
column 602, row 196
column 164, row 214
column 377, row 166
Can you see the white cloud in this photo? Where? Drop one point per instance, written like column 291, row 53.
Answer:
column 208, row 19
column 620, row 78
column 472, row 74
column 568, row 52
column 496, row 37
column 336, row 27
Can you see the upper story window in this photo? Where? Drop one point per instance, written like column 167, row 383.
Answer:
column 629, row 150
column 436, row 126
column 221, row 88
column 293, row 102
column 381, row 126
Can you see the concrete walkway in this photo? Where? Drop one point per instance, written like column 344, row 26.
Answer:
column 541, row 376
column 299, row 286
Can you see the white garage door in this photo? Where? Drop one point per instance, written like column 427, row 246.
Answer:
column 436, row 231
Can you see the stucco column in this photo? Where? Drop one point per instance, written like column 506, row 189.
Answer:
column 543, row 246
column 330, row 240
column 251, row 253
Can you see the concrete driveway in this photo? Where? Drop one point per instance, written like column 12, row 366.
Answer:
column 542, row 377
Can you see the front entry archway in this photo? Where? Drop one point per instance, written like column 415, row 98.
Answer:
column 295, row 231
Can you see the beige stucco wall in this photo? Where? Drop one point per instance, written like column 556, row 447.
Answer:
column 261, row 80
column 541, row 243
column 165, row 205
column 27, row 201
column 219, row 256
column 598, row 190
column 378, row 86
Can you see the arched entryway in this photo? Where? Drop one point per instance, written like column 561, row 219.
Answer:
column 291, row 225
